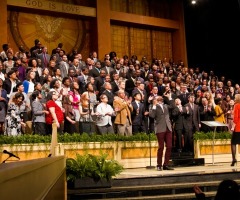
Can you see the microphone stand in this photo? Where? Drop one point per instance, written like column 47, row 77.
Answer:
column 4, row 161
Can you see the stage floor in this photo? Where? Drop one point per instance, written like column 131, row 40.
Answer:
column 179, row 171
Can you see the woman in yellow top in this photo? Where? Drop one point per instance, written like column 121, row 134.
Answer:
column 219, row 117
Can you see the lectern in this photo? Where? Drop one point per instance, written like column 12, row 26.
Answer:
column 213, row 124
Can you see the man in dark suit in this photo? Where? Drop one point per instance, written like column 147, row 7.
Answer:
column 178, row 115
column 163, row 129
column 138, row 114
column 99, row 81
column 44, row 57
column 114, row 83
column 140, row 89
column 183, row 96
column 131, row 83
column 95, row 71
column 145, row 72
column 193, row 123
column 207, row 113
column 83, row 79
column 108, row 93
column 107, row 68
column 117, row 70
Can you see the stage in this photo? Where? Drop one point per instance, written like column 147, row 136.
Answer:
column 142, row 183
column 179, row 171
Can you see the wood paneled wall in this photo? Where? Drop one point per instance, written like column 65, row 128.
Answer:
column 141, row 42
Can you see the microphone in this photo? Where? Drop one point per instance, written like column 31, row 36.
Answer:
column 10, row 154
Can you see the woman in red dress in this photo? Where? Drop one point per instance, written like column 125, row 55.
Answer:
column 55, row 113
column 236, row 131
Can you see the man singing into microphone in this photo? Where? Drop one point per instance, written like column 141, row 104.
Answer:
column 163, row 130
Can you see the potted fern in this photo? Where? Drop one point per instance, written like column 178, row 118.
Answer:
column 90, row 171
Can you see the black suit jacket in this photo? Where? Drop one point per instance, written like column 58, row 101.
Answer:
column 130, row 86
column 94, row 72
column 7, row 84
column 98, row 83
column 179, row 118
column 206, row 116
column 183, row 98
column 145, row 77
column 110, row 96
column 193, row 117
column 137, row 119
column 114, row 87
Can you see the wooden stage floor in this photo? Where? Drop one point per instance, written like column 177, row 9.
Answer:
column 179, row 171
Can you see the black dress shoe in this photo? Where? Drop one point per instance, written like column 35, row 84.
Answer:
column 159, row 168
column 165, row 167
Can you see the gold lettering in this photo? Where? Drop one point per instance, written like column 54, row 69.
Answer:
column 33, row 3
column 54, row 6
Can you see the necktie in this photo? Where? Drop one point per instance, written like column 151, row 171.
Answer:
column 162, row 108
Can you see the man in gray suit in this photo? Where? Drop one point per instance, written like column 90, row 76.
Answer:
column 163, row 129
column 64, row 66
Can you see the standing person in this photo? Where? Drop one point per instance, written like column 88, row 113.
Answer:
column 207, row 113
column 219, row 114
column 69, row 116
column 74, row 98
column 178, row 114
column 163, row 130
column 38, row 114
column 29, row 83
column 123, row 111
column 13, row 122
column 3, row 106
column 104, row 112
column 10, row 82
column 229, row 115
column 138, row 114
column 45, row 57
column 236, row 130
column 192, row 121
column 55, row 112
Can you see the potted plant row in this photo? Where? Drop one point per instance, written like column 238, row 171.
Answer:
column 91, row 171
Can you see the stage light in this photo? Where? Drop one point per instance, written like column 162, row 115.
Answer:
column 194, row 2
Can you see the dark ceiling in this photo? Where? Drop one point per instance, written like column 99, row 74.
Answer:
column 213, row 36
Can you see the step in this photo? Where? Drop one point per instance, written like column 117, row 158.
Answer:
column 166, row 197
column 185, row 196
column 187, row 162
column 172, row 187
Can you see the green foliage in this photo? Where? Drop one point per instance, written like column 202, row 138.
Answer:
column 24, row 139
column 95, row 167
column 68, row 138
column 209, row 136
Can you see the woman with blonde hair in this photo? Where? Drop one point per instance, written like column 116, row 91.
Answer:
column 209, row 97
column 236, row 130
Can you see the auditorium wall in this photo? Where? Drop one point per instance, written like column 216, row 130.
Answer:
column 144, row 28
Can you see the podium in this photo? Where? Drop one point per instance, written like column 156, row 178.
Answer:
column 213, row 124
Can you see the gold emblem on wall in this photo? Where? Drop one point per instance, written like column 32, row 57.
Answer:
column 50, row 30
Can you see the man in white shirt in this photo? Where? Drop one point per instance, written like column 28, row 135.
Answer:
column 104, row 112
